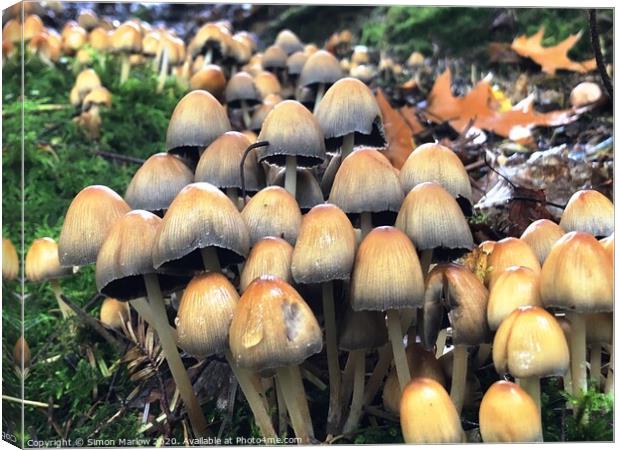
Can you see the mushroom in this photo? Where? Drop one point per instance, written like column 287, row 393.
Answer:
column 589, row 211
column 126, row 39
column 114, row 313
column 99, row 39
column 267, row 84
column 294, row 64
column 319, row 73
column 308, row 190
column 509, row 252
column 209, row 78
column 95, row 99
column 241, row 93
column 210, row 41
column 87, row 19
column 540, row 235
column 172, row 53
column 508, row 414
column 12, row 31
column 585, row 93
column 86, row 81
column 21, row 357
column 269, row 256
column 288, row 41
column 274, row 61
column 33, row 25
column 73, row 37
column 262, row 111
column 10, row 260
column 515, row 286
column 273, row 328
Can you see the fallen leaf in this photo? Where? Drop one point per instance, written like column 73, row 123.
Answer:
column 399, row 134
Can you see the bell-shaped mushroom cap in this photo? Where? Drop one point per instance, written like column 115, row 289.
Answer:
column 456, row 289
column 272, row 212
column 219, row 163
column 269, row 256
column 291, row 130
column 10, row 260
column 325, row 247
column 540, row 236
column 42, row 261
column 510, row 252
column 321, row 68
column 210, row 35
column 267, row 84
column 274, row 58
column 114, row 314
column 599, row 328
column 241, row 88
column 308, row 190
column 73, row 38
column 90, row 216
column 127, row 38
column 157, row 182
column 386, row 273
column 508, row 414
column 578, row 275
column 273, row 326
column 88, row 19
column 204, row 315
column 86, row 81
column 209, row 78
column 200, row 216
column 438, row 163
column 432, row 218
column 295, row 63
column 427, row 414
column 126, row 256
column 608, row 245
column 584, row 94
column 515, row 286
column 12, row 31
column 362, row 330
column 99, row 39
column 99, row 96
column 33, row 25
column 590, row 212
column 366, row 182
column 288, row 41
column 530, row 343
column 197, row 120
column 350, row 107
column 262, row 111
column 151, row 43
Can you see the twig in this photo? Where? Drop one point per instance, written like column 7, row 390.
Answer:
column 27, row 402
column 118, row 157
column 596, row 46
column 474, row 165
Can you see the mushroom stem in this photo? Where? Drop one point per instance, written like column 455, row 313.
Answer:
column 163, row 73
column 169, row 347
column 459, row 376
column 609, row 381
column 378, row 374
column 64, row 308
column 365, row 223
column 282, row 422
column 252, row 395
column 246, row 114
column 320, row 90
column 141, row 305
column 210, row 259
column 290, row 176
column 347, row 145
column 440, row 344
column 595, row 363
column 484, row 350
column 398, row 348
column 577, row 342
column 355, row 412
column 531, row 385
column 208, row 57
column 333, row 366
column 346, row 387
column 425, row 260
column 157, row 59
column 296, row 402
column 125, row 67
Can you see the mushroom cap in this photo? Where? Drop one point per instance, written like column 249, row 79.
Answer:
column 114, row 313
column 540, row 236
column 262, row 111
column 241, row 88
column 210, row 35
column 198, row 119
column 151, row 43
column 87, row 19
column 362, row 330
column 599, row 328
column 350, row 107
column 127, row 38
column 99, row 39
column 209, row 78
column 86, row 81
column 33, row 25
column 273, row 326
column 366, row 182
column 578, row 275
column 269, row 256
column 73, row 38
column 126, row 256
column 608, row 245
column 99, row 96
column 12, row 31
column 432, row 218
column 386, row 273
column 510, row 252
column 295, row 62
column 267, row 84
column 10, row 260
column 325, row 247
column 240, row 50
column 585, row 93
column 274, row 57
column 157, row 182
column 508, row 414
column 321, row 68
column 515, row 286
column 219, row 163
column 288, row 41
column 200, row 216
column 42, row 263
column 90, row 216
column 291, row 130
column 272, row 212
column 530, row 343
column 438, row 163
column 21, row 353
column 589, row 211
column 427, row 414
column 308, row 190
column 205, row 312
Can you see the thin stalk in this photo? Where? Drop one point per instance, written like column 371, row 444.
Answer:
column 459, row 376
column 378, row 374
column 64, row 308
column 407, row 319
column 247, row 120
column 357, row 402
column 141, row 305
column 365, row 223
column 440, row 345
column 157, row 59
column 290, row 176
column 595, row 363
column 609, row 381
column 346, row 386
column 208, row 57
column 163, row 73
column 425, row 261
column 398, row 348
column 210, row 259
column 531, row 385
column 169, row 347
column 577, row 342
column 319, row 96
column 296, row 402
column 282, row 422
column 125, row 67
column 347, row 145
column 333, row 366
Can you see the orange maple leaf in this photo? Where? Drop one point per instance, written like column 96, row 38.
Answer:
column 398, row 133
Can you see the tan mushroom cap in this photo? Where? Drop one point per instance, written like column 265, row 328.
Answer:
column 288, row 41
column 274, row 58
column 205, row 312
column 10, row 260
column 90, row 216
column 98, row 96
column 240, row 88
column 589, row 211
column 427, row 414
column 540, row 236
column 21, row 353
column 321, row 68
column 432, row 218
column 386, row 273
column 73, row 38
column 200, row 216
column 295, row 62
column 151, row 43
column 267, row 84
column 438, row 163
column 510, row 252
column 515, row 286
column 578, row 275
column 86, row 81
column 308, row 190
column 127, row 38
column 269, row 256
column 42, row 263
column 508, row 414
column 12, row 31
column 273, row 211
column 210, row 35
column 530, row 343
column 273, row 326
column 209, row 78
column 114, row 313
column 608, row 245
column 325, row 248
column 585, row 93
column 88, row 19
column 33, row 25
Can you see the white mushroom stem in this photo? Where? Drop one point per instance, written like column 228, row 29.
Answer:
column 347, row 145
column 333, row 366
column 320, row 90
column 125, row 67
column 609, row 382
column 346, row 387
column 163, row 73
column 210, row 259
column 141, row 305
column 365, row 223
column 531, row 385
column 440, row 344
column 357, row 402
column 246, row 114
column 64, row 308
column 577, row 342
column 157, row 59
column 208, row 57
column 290, row 175
column 459, row 376
column 398, row 348
column 169, row 347
column 595, row 363
column 296, row 402
column 378, row 374
column 282, row 413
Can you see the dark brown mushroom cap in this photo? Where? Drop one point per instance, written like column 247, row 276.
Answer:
column 288, row 41
column 321, row 68
column 291, row 130
column 269, row 256
column 42, row 262
column 589, row 211
column 362, row 330
column 90, row 216
column 157, row 182
column 308, row 190
column 126, row 256
column 295, row 62
column 219, row 164
column 209, row 78
column 274, row 58
column 350, row 107
column 200, row 216
column 273, row 326
column 240, row 88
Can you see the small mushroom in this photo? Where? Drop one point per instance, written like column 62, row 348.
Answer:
column 114, row 313
column 209, row 78
column 10, row 260
column 241, row 93
column 509, row 252
column 589, row 211
column 269, row 256
column 126, row 39
column 319, row 73
column 515, row 286
column 540, row 236
column 21, row 357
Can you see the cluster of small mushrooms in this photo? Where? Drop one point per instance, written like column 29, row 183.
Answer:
column 239, row 233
